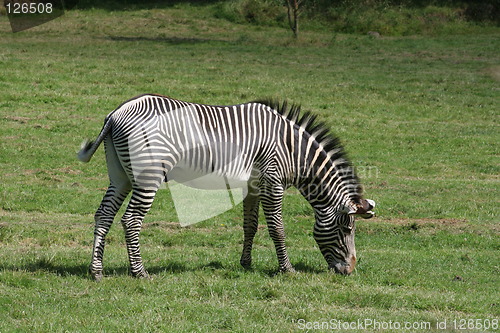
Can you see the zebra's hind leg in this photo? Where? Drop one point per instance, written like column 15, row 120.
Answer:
column 118, row 190
column 250, row 223
column 139, row 205
column 104, row 217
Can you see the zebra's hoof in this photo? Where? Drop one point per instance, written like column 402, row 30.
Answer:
column 141, row 275
column 96, row 276
column 246, row 264
column 287, row 270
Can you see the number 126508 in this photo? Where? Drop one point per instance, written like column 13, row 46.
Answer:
column 29, row 8
column 475, row 324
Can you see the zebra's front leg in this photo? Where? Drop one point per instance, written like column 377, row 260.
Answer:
column 272, row 204
column 250, row 223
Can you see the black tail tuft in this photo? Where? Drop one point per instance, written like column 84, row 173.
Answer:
column 85, row 153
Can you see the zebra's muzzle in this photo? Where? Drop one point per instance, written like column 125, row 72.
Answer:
column 343, row 268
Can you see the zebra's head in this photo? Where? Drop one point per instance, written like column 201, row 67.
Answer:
column 334, row 234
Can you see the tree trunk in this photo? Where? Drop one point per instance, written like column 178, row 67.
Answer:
column 293, row 16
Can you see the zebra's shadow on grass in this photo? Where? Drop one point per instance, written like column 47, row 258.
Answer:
column 230, row 270
column 49, row 265
column 300, row 267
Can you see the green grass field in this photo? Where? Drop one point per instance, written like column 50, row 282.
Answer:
column 418, row 115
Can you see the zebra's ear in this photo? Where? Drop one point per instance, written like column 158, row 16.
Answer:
column 363, row 209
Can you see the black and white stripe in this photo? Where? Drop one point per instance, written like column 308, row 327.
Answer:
column 267, row 146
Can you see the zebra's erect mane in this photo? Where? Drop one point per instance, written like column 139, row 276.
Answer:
column 310, row 123
column 321, row 133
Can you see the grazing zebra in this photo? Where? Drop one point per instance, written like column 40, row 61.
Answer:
column 151, row 139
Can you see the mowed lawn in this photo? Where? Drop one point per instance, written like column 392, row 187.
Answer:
column 418, row 115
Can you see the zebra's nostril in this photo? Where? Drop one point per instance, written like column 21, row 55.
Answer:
column 343, row 269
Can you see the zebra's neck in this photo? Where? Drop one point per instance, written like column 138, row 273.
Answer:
column 324, row 177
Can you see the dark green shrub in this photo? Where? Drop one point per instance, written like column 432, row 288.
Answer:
column 261, row 12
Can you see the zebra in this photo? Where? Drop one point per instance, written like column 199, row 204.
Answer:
column 151, row 139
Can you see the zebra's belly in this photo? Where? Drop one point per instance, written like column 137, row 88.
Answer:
column 207, row 180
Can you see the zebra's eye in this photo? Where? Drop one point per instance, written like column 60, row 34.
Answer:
column 347, row 229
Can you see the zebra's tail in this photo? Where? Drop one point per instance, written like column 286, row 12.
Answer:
column 88, row 147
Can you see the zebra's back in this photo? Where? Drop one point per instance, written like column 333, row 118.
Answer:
column 220, row 141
